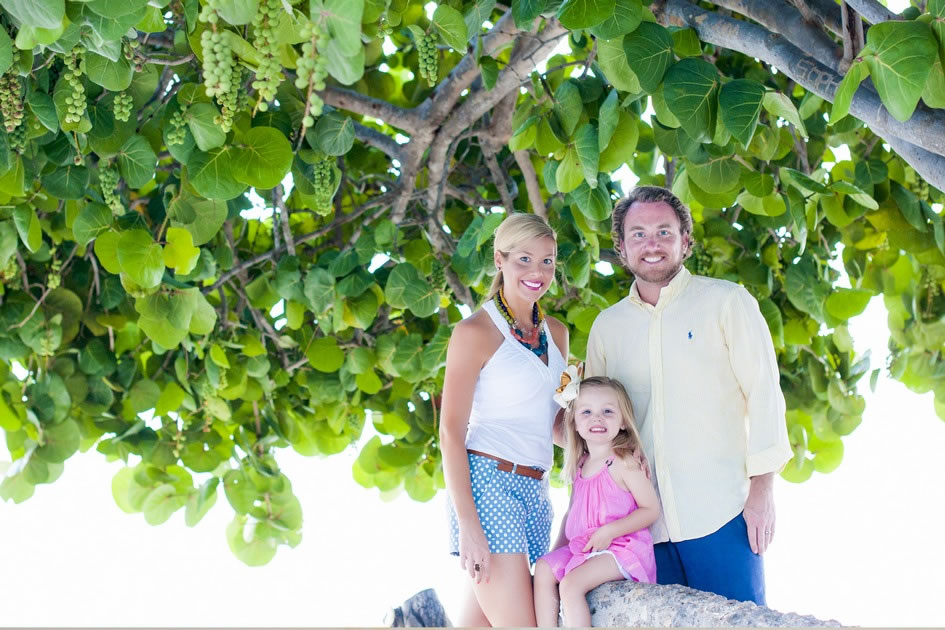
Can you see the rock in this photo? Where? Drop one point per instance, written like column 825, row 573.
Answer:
column 422, row 610
column 631, row 604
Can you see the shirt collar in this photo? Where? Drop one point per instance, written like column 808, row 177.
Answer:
column 667, row 293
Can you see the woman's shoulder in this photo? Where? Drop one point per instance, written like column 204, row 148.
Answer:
column 475, row 329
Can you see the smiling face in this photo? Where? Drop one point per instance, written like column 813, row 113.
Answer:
column 528, row 269
column 653, row 245
column 597, row 415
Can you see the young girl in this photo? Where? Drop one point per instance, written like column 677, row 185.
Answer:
column 604, row 535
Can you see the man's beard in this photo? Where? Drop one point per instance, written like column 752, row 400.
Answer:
column 654, row 276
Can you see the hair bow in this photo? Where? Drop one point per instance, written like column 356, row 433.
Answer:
column 570, row 386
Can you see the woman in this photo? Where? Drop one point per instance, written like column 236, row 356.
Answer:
column 502, row 368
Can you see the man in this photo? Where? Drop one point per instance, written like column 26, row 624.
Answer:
column 696, row 356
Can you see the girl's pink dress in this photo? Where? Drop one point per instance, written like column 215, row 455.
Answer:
column 598, row 501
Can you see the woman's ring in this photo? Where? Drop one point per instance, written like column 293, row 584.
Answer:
column 477, row 567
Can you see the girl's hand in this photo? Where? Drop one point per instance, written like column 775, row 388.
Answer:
column 599, row 540
column 474, row 556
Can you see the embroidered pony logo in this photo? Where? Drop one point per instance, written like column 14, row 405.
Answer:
column 690, row 334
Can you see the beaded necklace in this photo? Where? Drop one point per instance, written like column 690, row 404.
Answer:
column 537, row 333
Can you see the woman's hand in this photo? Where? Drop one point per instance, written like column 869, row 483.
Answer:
column 599, row 540
column 474, row 556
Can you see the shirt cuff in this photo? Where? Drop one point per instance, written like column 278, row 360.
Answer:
column 769, row 460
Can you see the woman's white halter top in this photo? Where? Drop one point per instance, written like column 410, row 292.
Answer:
column 513, row 410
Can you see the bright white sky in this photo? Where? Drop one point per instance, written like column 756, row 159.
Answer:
column 862, row 545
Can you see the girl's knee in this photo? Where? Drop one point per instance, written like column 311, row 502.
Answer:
column 543, row 571
column 571, row 588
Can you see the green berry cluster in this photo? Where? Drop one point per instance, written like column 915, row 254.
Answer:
column 75, row 68
column 53, row 279
column 384, row 29
column 323, row 182
column 268, row 75
column 11, row 106
column 220, row 76
column 18, row 138
column 700, row 263
column 429, row 58
column 10, row 275
column 122, row 106
column 130, row 50
column 921, row 189
column 438, row 276
column 178, row 131
column 108, row 180
column 311, row 71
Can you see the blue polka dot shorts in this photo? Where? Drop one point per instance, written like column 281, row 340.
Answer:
column 515, row 511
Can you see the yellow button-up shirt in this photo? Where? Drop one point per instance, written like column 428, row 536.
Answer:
column 702, row 376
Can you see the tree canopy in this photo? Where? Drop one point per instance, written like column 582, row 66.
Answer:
column 230, row 227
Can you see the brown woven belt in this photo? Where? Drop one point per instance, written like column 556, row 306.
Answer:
column 507, row 466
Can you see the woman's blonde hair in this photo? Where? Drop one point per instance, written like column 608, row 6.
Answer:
column 626, row 442
column 516, row 229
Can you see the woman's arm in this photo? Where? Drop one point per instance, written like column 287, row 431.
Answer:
column 466, row 354
column 560, row 337
column 630, row 476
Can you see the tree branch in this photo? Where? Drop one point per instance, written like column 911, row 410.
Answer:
column 408, row 120
column 872, row 11
column 382, row 142
column 524, row 161
column 499, row 179
column 279, row 203
column 275, row 252
column 778, row 16
column 926, row 129
column 852, row 33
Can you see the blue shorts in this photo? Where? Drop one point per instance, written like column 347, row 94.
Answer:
column 515, row 511
column 721, row 563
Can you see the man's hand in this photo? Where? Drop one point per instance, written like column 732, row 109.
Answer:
column 759, row 512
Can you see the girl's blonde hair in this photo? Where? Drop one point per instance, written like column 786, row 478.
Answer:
column 516, row 229
column 626, row 442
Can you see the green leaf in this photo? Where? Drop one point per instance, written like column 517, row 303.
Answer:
column 171, row 398
column 319, row 289
column 622, row 145
column 43, row 106
column 625, row 18
column 903, row 53
column 649, row 51
column 160, row 504
column 264, row 158
column 218, row 356
column 607, row 119
column 37, row 13
column 324, row 354
column 112, row 75
column 343, row 21
column 451, row 26
column 594, row 203
column 237, row 12
column 613, row 61
column 137, row 161
column 716, row 175
column 368, row 382
column 846, row 303
column 772, row 315
column 686, row 42
column 199, row 503
column 691, row 91
column 106, row 250
column 6, row 51
column 855, row 193
column 93, row 219
column 778, row 104
column 205, row 216
column 201, row 120
column 28, row 227
column 570, row 173
column 568, row 106
column 67, row 182
column 524, row 11
column 804, row 288
column 180, row 253
column 211, row 173
column 908, row 205
column 476, row 15
column 334, row 133
column 489, row 69
column 740, row 106
column 143, row 395
column 406, row 288
column 59, row 442
column 847, row 88
column 585, row 144
column 141, row 259
column 346, row 68
column 577, row 14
